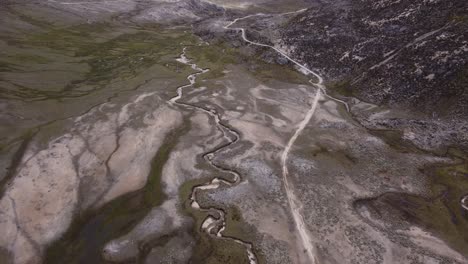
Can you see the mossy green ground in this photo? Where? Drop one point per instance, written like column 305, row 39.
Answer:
column 342, row 87
column 219, row 55
column 394, row 138
column 440, row 211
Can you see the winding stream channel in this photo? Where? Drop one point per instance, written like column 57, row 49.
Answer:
column 213, row 226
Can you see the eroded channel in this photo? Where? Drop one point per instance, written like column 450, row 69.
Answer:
column 89, row 232
column 213, row 226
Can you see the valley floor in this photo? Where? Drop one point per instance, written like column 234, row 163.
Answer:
column 130, row 142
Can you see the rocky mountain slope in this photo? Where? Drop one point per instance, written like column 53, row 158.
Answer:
column 401, row 53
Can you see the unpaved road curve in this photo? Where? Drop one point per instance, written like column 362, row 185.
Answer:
column 319, row 84
column 211, row 225
column 294, row 203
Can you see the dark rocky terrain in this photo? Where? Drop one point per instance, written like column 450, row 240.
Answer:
column 401, row 53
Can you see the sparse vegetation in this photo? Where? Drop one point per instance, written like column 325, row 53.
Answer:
column 91, row 230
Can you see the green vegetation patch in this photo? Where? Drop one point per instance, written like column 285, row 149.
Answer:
column 120, row 57
column 217, row 56
column 113, row 53
column 460, row 18
column 285, row 73
column 212, row 250
column 440, row 212
column 28, row 58
column 394, row 138
column 342, row 87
